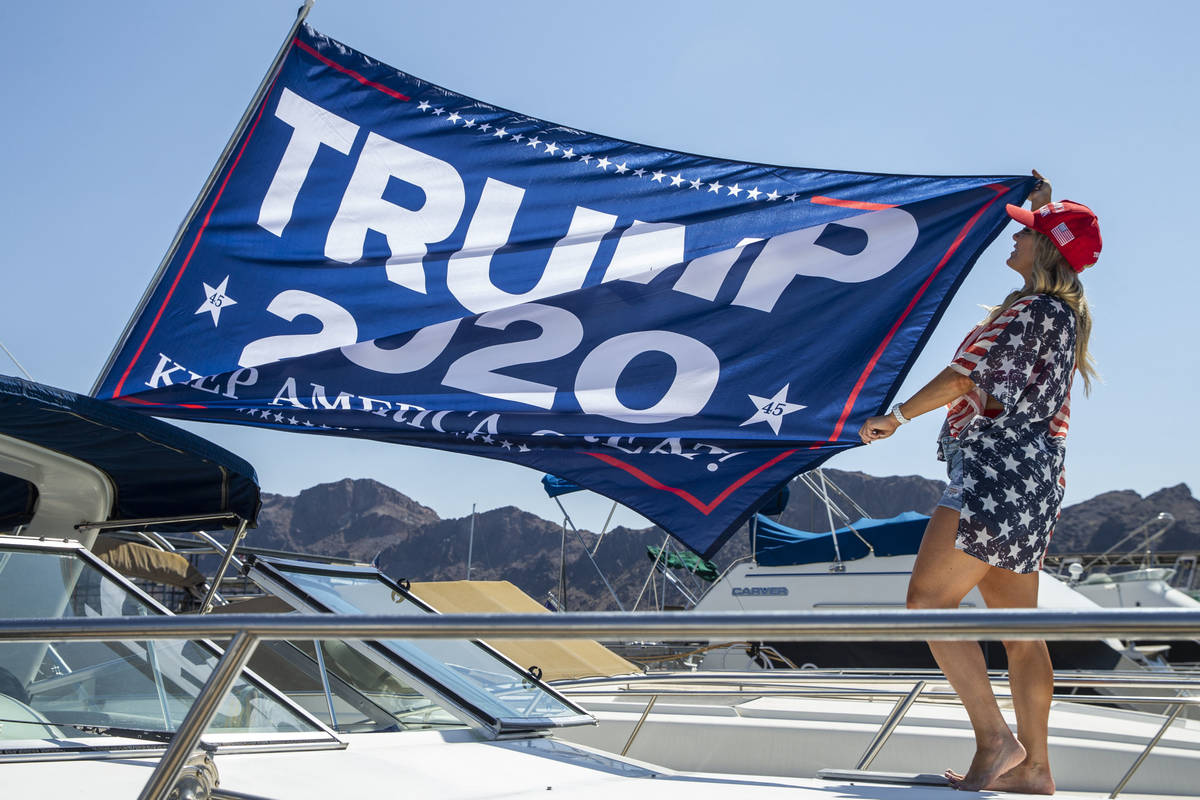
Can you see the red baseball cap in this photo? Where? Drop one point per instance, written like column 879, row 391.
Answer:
column 1071, row 226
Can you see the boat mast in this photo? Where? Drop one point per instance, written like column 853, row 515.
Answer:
column 268, row 78
column 471, row 542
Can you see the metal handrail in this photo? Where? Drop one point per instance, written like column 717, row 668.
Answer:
column 773, row 678
column 207, row 603
column 881, row 625
column 246, row 630
column 889, row 725
column 1146, row 751
column 1107, row 699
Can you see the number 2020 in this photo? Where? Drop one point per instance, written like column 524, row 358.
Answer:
column 697, row 368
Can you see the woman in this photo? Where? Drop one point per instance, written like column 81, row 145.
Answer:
column 1007, row 391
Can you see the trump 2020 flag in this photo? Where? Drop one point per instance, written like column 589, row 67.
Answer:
column 380, row 257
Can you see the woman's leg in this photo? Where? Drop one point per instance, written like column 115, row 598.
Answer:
column 1031, row 678
column 941, row 578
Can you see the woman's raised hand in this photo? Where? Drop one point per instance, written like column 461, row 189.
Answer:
column 1041, row 192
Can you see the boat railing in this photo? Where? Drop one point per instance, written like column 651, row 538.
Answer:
column 245, row 631
column 830, row 681
column 906, row 687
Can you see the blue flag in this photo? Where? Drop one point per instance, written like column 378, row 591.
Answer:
column 380, row 257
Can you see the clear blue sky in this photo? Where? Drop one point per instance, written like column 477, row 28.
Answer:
column 114, row 113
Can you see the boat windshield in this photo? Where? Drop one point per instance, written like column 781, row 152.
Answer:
column 78, row 691
column 465, row 675
column 352, row 694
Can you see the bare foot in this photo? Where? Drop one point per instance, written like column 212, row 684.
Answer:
column 1025, row 778
column 991, row 762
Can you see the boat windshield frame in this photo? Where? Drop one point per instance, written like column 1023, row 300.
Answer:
column 114, row 745
column 270, row 574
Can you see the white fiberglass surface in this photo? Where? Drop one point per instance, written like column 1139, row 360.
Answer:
column 50, row 690
column 471, row 672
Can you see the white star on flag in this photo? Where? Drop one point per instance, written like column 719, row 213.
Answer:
column 215, row 300
column 772, row 410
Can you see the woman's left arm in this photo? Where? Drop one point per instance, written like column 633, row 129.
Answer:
column 946, row 386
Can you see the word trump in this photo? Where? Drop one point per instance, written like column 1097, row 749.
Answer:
column 642, row 251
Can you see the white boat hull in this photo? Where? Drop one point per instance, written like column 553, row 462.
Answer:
column 871, row 582
column 1090, row 747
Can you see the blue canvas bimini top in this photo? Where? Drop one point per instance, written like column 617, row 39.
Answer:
column 158, row 470
column 779, row 546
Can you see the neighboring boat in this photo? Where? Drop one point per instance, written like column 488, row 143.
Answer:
column 1148, row 587
column 864, row 565
column 1120, row 581
column 1115, row 579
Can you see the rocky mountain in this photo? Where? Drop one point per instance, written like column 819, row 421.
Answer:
column 368, row 521
column 1095, row 525
column 350, row 518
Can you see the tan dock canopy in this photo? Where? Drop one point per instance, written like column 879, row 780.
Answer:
column 574, row 658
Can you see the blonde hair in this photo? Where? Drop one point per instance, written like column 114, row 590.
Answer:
column 1052, row 275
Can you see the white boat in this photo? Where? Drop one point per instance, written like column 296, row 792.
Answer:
column 1119, row 581
column 1116, row 580
column 1148, row 587
column 865, row 565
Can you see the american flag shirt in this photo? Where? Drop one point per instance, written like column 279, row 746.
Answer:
column 1013, row 480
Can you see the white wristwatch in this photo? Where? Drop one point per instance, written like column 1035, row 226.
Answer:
column 903, row 420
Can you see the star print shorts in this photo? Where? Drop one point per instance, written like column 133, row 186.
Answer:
column 952, row 497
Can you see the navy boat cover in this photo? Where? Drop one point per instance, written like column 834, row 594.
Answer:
column 158, row 470
column 778, row 545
